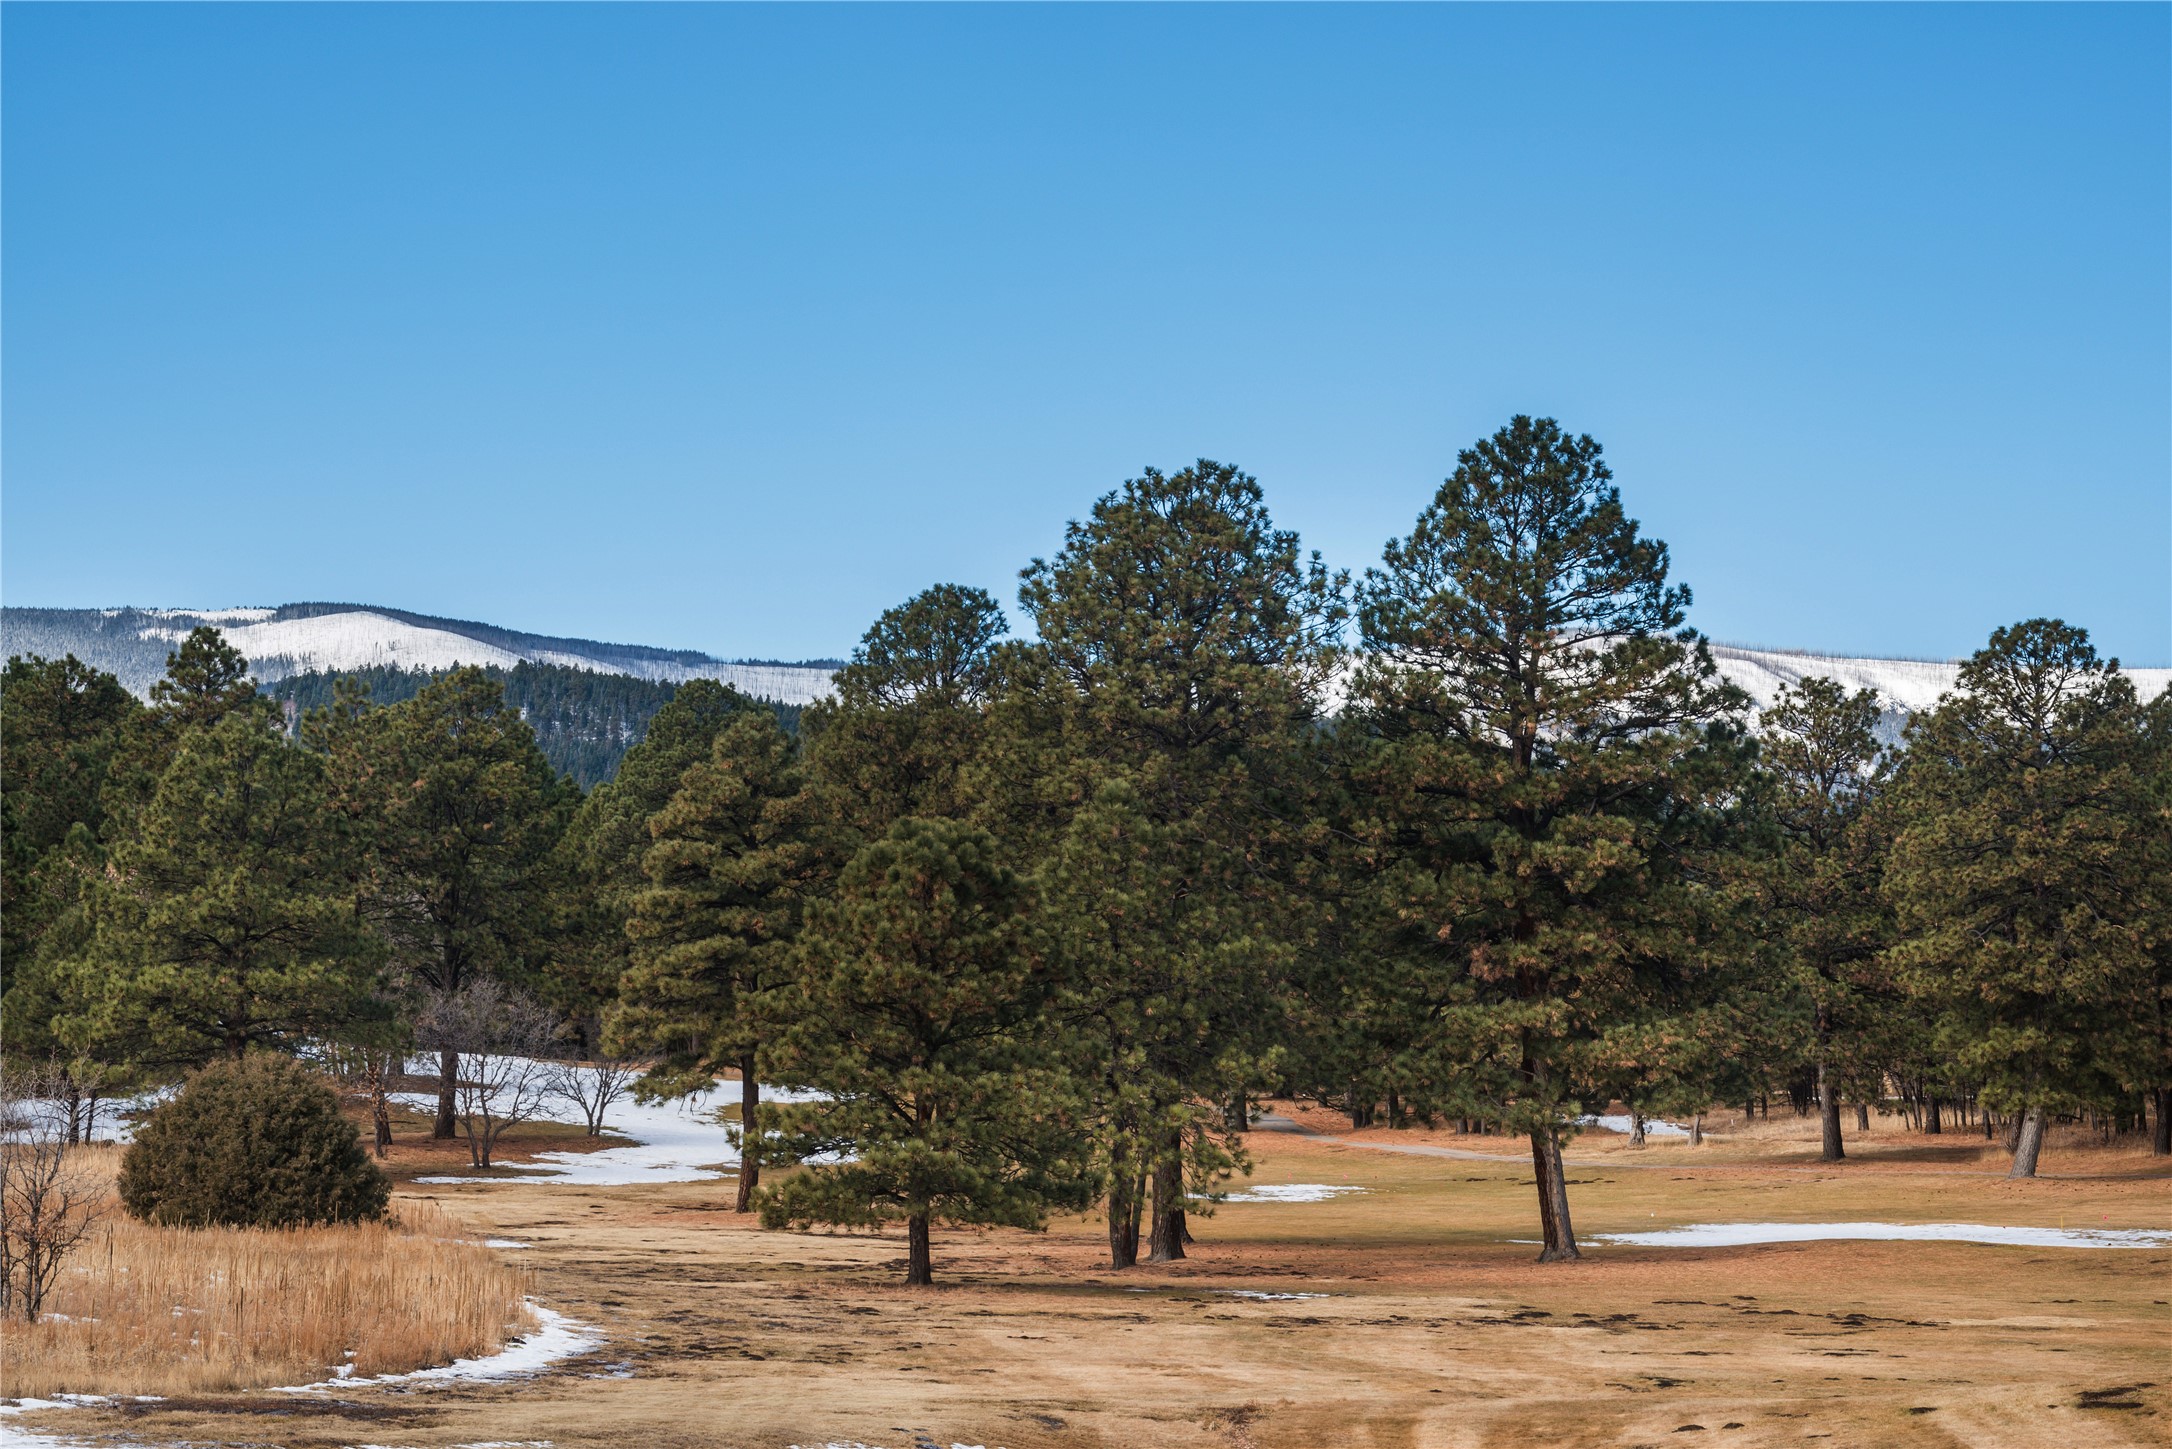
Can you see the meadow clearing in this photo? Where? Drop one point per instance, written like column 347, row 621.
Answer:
column 1431, row 1325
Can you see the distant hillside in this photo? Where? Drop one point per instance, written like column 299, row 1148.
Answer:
column 584, row 721
column 325, row 639
column 132, row 644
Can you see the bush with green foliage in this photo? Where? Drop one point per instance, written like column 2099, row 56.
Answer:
column 257, row 1142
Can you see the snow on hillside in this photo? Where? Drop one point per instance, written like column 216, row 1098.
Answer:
column 364, row 639
column 349, row 641
column 1906, row 685
column 301, row 638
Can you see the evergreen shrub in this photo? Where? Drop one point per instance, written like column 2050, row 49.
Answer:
column 258, row 1142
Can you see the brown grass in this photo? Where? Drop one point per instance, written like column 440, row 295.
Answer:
column 1437, row 1331
column 149, row 1310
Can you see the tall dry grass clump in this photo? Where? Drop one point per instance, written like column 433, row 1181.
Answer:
column 152, row 1310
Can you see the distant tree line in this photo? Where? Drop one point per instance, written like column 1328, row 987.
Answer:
column 584, row 720
column 1480, row 836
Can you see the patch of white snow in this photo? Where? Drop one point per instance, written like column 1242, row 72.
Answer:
column 1731, row 1235
column 677, row 1141
column 1653, row 1127
column 554, row 1339
column 1291, row 1192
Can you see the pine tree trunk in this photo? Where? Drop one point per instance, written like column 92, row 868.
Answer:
column 1553, row 1191
column 448, row 1080
column 1829, row 1117
column 1636, row 1129
column 919, row 1267
column 1862, row 1116
column 2160, row 1141
column 1125, row 1189
column 750, row 1157
column 1696, row 1130
column 2029, row 1145
column 1930, row 1117
column 1166, row 1243
column 1237, row 1115
column 380, row 1114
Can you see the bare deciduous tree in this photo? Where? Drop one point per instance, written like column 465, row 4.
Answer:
column 593, row 1087
column 50, row 1197
column 368, row 1070
column 503, row 1077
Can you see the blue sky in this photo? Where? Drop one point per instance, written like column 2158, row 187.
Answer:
column 727, row 327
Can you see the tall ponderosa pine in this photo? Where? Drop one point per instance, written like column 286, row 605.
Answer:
column 2020, row 874
column 61, row 724
column 459, row 814
column 601, row 856
column 736, row 855
column 1823, row 767
column 1545, row 770
column 1184, row 646
column 227, row 919
column 910, row 713
column 917, row 1012
column 206, row 680
column 2154, row 1013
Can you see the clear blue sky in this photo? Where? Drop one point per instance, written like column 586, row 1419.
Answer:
column 727, row 327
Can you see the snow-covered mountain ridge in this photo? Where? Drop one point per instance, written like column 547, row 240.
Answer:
column 301, row 638
column 332, row 638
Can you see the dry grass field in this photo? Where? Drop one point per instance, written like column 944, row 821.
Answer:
column 149, row 1310
column 1433, row 1328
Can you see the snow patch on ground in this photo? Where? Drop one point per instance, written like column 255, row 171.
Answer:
column 678, row 1141
column 505, row 1243
column 1731, row 1235
column 554, row 1339
column 1653, row 1127
column 1291, row 1192
column 14, row 1438
column 1260, row 1296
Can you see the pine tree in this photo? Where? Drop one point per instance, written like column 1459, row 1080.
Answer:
column 459, row 814
column 601, row 855
column 61, row 724
column 910, row 712
column 206, row 680
column 916, row 1011
column 1184, row 648
column 227, row 920
column 1823, row 767
column 737, row 852
column 2020, row 875
column 1546, row 771
column 2153, row 1013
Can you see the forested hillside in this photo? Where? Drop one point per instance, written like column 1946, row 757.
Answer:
column 584, row 721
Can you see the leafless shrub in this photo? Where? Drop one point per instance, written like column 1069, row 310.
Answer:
column 500, row 1037
column 50, row 1197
